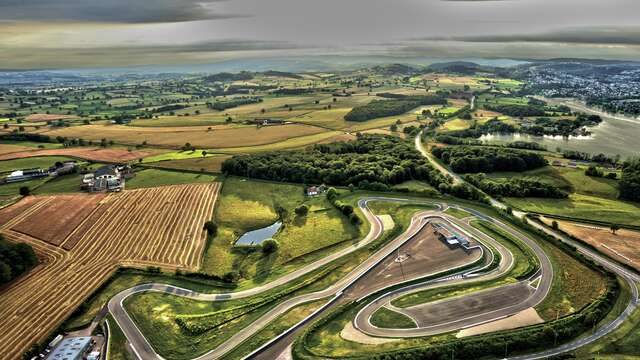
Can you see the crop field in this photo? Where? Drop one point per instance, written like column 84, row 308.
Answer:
column 11, row 148
column 209, row 163
column 48, row 117
column 68, row 210
column 582, row 207
column 455, row 125
column 158, row 177
column 197, row 136
column 570, row 180
column 150, row 227
column 294, row 143
column 93, row 154
column 623, row 245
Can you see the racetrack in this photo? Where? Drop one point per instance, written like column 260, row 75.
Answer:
column 349, row 287
column 468, row 304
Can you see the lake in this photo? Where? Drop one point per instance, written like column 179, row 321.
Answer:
column 256, row 237
column 615, row 135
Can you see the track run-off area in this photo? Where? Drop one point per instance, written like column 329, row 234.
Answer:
column 363, row 280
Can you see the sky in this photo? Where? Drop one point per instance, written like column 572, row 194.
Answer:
column 57, row 34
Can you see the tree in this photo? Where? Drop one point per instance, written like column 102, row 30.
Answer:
column 25, row 191
column 332, row 193
column 211, row 227
column 614, row 228
column 204, row 153
column 554, row 225
column 270, row 246
column 302, row 210
column 393, row 127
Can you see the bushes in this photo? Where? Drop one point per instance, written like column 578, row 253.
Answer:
column 302, row 210
column 468, row 159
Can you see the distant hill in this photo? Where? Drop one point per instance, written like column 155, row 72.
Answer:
column 395, row 69
column 459, row 67
column 226, row 77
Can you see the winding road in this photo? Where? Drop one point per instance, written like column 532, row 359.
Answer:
column 533, row 296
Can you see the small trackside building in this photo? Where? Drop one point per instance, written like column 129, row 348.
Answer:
column 450, row 237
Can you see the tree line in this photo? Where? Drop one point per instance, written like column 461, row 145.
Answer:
column 474, row 159
column 630, row 182
column 515, row 187
column 15, row 259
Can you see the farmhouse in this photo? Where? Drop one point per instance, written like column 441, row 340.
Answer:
column 315, row 190
column 107, row 178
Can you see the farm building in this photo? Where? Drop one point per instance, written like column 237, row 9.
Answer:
column 107, row 178
column 64, row 168
column 27, row 174
column 72, row 348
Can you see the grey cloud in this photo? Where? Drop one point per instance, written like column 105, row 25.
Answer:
column 119, row 11
column 619, row 36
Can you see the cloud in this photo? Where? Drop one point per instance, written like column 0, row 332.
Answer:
column 118, row 11
column 608, row 35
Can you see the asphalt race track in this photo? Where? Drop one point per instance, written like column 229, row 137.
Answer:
column 476, row 308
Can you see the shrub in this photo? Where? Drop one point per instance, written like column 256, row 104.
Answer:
column 211, row 227
column 302, row 210
column 270, row 246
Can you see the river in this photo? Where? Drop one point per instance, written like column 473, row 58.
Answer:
column 616, row 134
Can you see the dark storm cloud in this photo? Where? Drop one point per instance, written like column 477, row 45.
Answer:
column 119, row 11
column 619, row 36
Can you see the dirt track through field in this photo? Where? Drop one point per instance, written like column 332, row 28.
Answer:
column 148, row 227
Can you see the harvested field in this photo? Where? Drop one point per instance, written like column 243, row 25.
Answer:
column 159, row 226
column 198, row 136
column 95, row 154
column 48, row 117
column 14, row 210
column 210, row 163
column 623, row 245
column 57, row 217
column 10, row 148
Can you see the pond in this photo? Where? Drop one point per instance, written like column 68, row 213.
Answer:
column 256, row 237
column 615, row 135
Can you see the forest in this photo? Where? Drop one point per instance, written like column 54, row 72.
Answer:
column 15, row 259
column 470, row 159
column 371, row 161
column 399, row 105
